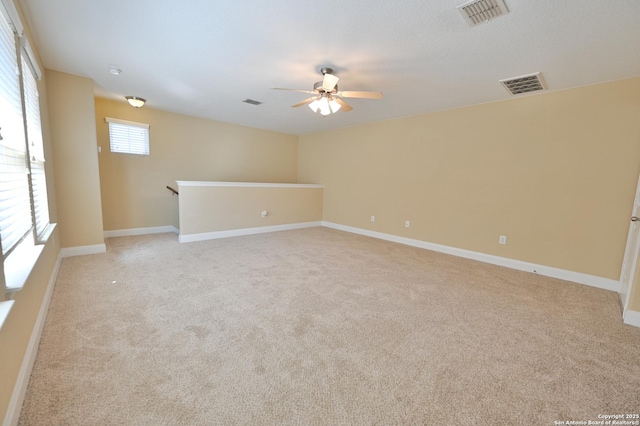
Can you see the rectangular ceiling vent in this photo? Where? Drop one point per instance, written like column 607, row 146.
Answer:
column 478, row 11
column 252, row 102
column 524, row 84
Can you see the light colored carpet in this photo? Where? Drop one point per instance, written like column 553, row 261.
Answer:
column 321, row 327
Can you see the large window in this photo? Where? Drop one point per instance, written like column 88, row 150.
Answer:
column 24, row 211
column 15, row 206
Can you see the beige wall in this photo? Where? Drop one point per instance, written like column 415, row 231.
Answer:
column 77, row 180
column 182, row 148
column 214, row 208
column 556, row 173
column 16, row 331
column 634, row 296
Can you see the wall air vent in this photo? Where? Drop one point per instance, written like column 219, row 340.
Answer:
column 477, row 11
column 252, row 102
column 524, row 83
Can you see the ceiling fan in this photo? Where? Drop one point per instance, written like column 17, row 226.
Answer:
column 327, row 98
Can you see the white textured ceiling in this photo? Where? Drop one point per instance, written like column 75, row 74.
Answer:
column 203, row 57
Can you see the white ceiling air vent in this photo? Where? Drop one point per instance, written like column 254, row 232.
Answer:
column 478, row 11
column 524, row 83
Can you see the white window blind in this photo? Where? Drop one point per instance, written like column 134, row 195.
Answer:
column 10, row 102
column 36, row 149
column 128, row 137
column 15, row 205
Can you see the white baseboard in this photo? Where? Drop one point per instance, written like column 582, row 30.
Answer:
column 141, row 231
column 577, row 277
column 82, row 250
column 632, row 318
column 20, row 389
column 244, row 231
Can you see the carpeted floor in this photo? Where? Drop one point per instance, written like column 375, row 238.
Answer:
column 321, row 327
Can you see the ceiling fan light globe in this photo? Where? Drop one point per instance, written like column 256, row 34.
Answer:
column 325, row 109
column 335, row 107
column 314, row 106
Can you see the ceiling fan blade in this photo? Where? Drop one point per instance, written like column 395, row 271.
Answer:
column 305, row 102
column 363, row 95
column 294, row 90
column 345, row 106
column 329, row 82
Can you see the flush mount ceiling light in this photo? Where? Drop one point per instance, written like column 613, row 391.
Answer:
column 135, row 102
column 115, row 71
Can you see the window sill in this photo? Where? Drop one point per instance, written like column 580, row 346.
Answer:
column 19, row 264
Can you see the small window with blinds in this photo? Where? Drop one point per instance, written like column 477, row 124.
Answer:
column 128, row 137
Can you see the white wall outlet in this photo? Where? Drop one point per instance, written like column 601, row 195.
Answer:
column 373, row 218
column 503, row 239
column 407, row 224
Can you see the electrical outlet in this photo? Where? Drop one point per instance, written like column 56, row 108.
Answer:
column 373, row 218
column 407, row 224
column 503, row 239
